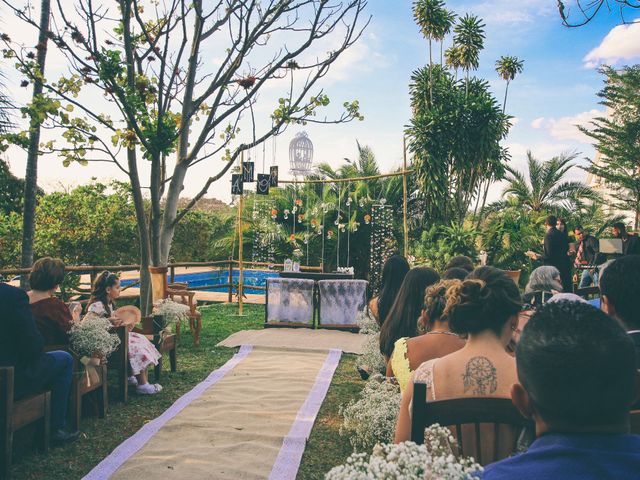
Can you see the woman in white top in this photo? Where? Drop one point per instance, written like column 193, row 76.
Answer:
column 142, row 353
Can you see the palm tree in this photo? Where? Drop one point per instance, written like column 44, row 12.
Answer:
column 508, row 67
column 544, row 189
column 435, row 22
column 453, row 59
column 6, row 106
column 469, row 39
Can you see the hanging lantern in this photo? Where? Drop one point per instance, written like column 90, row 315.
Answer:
column 274, row 213
column 292, row 238
column 286, row 213
column 348, row 202
column 300, row 218
column 367, row 218
column 300, row 155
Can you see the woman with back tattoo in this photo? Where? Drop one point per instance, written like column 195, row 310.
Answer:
column 484, row 307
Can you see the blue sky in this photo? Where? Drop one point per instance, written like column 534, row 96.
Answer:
column 557, row 89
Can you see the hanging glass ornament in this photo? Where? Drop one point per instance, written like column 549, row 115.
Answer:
column 361, row 202
column 325, row 207
column 300, row 218
column 306, row 238
column 367, row 218
column 298, row 202
column 314, row 211
column 274, row 213
column 330, row 234
column 337, row 221
column 342, row 227
column 383, row 201
column 348, row 202
column 292, row 238
column 286, row 213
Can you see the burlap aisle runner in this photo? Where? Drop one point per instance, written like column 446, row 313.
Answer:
column 252, row 423
column 304, row 338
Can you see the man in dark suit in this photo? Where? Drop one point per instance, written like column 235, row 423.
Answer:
column 630, row 243
column 620, row 295
column 556, row 249
column 21, row 347
column 588, row 248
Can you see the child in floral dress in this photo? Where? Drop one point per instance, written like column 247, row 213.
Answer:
column 142, row 353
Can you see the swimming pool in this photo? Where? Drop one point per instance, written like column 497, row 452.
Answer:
column 257, row 278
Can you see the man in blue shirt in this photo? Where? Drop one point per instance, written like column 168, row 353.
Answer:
column 577, row 380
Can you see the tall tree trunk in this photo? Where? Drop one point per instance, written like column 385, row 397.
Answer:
column 430, row 75
column 504, row 104
column 31, row 177
column 143, row 232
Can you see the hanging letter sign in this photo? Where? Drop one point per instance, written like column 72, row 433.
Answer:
column 262, row 187
column 273, row 174
column 236, row 184
column 247, row 172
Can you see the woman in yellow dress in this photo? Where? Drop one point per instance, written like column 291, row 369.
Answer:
column 437, row 341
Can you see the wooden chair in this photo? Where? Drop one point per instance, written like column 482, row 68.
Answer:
column 514, row 274
column 79, row 389
column 119, row 361
column 179, row 293
column 587, row 292
column 486, row 428
column 153, row 329
column 635, row 421
column 15, row 414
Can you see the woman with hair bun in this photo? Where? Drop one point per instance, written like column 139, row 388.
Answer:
column 485, row 308
column 437, row 340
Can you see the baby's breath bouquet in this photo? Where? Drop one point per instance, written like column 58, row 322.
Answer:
column 371, row 358
column 173, row 312
column 372, row 418
column 92, row 337
column 431, row 461
column 368, row 325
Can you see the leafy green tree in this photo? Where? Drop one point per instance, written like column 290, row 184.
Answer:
column 11, row 190
column 439, row 244
column 147, row 66
column 544, row 188
column 455, row 142
column 435, row 22
column 617, row 137
column 469, row 39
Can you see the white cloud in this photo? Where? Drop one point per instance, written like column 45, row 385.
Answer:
column 621, row 43
column 566, row 128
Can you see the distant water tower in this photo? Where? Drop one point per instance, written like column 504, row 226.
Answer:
column 300, row 155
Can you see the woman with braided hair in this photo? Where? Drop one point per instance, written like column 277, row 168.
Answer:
column 485, row 308
column 436, row 339
column 142, row 353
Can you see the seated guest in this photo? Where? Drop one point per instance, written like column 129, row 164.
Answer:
column 586, row 254
column 21, row 347
column 438, row 341
column 460, row 261
column 142, row 353
column 545, row 279
column 630, row 243
column 485, row 307
column 52, row 316
column 395, row 269
column 620, row 294
column 577, row 379
column 455, row 273
column 402, row 320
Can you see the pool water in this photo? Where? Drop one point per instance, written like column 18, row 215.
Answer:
column 256, row 278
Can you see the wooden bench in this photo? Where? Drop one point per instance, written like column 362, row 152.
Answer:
column 119, row 361
column 179, row 293
column 485, row 428
column 80, row 388
column 15, row 414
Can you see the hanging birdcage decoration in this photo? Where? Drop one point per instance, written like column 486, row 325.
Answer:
column 300, row 155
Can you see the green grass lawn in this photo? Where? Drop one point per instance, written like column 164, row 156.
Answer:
column 99, row 437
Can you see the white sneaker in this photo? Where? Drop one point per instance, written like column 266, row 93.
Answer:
column 133, row 381
column 149, row 389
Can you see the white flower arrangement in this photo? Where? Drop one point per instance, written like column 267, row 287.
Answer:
column 409, row 461
column 92, row 337
column 173, row 312
column 368, row 325
column 372, row 418
column 371, row 358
